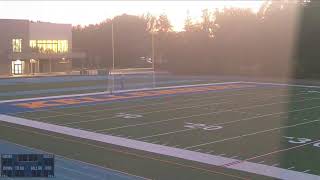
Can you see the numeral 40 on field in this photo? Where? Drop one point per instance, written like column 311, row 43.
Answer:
column 201, row 126
column 297, row 140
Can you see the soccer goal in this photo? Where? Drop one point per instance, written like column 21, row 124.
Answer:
column 130, row 79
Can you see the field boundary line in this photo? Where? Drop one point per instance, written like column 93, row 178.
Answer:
column 280, row 84
column 121, row 91
column 163, row 150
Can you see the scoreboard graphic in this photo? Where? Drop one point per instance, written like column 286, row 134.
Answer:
column 27, row 165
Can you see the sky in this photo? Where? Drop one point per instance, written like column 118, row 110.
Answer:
column 92, row 12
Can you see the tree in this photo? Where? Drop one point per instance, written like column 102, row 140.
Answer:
column 132, row 40
column 151, row 22
column 163, row 24
column 207, row 24
column 188, row 26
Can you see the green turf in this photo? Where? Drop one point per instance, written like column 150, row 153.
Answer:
column 254, row 122
column 102, row 85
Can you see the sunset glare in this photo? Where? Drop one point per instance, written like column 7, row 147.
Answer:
column 92, row 12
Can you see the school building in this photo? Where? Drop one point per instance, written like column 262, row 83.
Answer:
column 28, row 48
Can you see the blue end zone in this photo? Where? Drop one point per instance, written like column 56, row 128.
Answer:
column 12, row 108
column 67, row 169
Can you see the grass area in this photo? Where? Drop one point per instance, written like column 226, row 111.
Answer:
column 271, row 125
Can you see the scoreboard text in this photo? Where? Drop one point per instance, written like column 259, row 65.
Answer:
column 27, row 165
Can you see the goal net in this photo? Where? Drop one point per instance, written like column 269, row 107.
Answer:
column 130, row 79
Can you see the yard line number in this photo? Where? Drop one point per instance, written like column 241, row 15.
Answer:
column 201, row 126
column 128, row 116
column 297, row 140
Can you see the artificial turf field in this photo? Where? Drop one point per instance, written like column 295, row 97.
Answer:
column 219, row 131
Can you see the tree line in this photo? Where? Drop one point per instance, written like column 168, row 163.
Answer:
column 282, row 40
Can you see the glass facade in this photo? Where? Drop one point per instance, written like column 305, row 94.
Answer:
column 50, row 46
column 16, row 45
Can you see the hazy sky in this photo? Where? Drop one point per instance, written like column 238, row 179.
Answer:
column 91, row 12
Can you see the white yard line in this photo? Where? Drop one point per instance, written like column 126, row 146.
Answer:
column 122, row 91
column 54, row 109
column 192, row 99
column 162, row 134
column 157, row 88
column 197, row 115
column 188, row 99
column 251, row 134
column 164, row 150
column 282, row 150
column 229, row 122
column 149, row 112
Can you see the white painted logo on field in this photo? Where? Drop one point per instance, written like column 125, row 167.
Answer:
column 128, row 116
column 202, row 126
column 296, row 140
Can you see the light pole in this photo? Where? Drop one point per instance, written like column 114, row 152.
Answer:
column 153, row 59
column 112, row 34
column 153, row 56
column 112, row 41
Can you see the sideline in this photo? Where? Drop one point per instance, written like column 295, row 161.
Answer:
column 246, row 166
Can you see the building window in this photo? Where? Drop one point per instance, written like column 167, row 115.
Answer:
column 16, row 45
column 17, row 67
column 50, row 46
